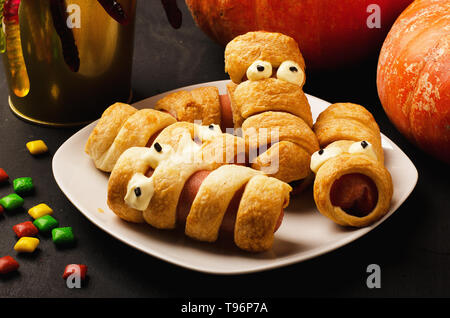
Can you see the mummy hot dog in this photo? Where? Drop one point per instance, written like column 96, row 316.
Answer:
column 352, row 187
column 175, row 182
column 267, row 73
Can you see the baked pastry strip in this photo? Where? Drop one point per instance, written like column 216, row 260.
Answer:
column 290, row 153
column 135, row 132
column 106, row 130
column 200, row 104
column 212, row 200
column 122, row 127
column 260, row 207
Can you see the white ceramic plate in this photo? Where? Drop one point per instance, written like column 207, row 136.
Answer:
column 304, row 234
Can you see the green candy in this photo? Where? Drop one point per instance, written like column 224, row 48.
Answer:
column 23, row 185
column 11, row 202
column 62, row 235
column 46, row 223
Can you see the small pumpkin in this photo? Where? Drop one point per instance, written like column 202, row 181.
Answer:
column 330, row 33
column 413, row 76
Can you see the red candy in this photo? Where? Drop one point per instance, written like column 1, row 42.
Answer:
column 74, row 268
column 8, row 264
column 1, row 209
column 25, row 229
column 3, row 175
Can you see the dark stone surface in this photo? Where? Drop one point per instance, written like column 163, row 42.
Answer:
column 412, row 247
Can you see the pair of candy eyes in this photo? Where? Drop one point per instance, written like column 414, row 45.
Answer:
column 356, row 148
column 288, row 71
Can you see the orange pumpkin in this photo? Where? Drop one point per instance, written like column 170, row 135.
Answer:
column 330, row 33
column 413, row 77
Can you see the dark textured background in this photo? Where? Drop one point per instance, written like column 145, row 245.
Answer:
column 412, row 247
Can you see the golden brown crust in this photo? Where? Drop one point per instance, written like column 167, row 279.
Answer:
column 120, row 128
column 201, row 104
column 345, row 164
column 271, row 94
column 224, row 149
column 272, row 47
column 289, row 139
column 169, row 181
column 211, row 203
column 285, row 161
column 106, row 130
column 258, row 214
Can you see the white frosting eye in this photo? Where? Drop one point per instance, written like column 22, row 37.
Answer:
column 139, row 192
column 157, row 153
column 204, row 133
column 364, row 147
column 259, row 70
column 291, row 72
column 319, row 157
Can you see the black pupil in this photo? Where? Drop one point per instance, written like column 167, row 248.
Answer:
column 260, row 68
column 211, row 127
column 137, row 191
column 364, row 144
column 293, row 69
column 158, row 147
column 320, row 151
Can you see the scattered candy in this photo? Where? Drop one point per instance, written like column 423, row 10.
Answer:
column 37, row 147
column 40, row 210
column 3, row 175
column 8, row 264
column 62, row 235
column 25, row 229
column 75, row 268
column 45, row 223
column 26, row 244
column 11, row 202
column 1, row 209
column 23, row 185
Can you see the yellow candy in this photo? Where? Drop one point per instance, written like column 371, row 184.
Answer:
column 37, row 147
column 39, row 210
column 26, row 244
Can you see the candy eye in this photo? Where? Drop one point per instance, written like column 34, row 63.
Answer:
column 259, row 70
column 321, row 156
column 157, row 146
column 364, row 147
column 291, row 72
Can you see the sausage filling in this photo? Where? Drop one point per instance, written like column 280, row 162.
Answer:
column 354, row 193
